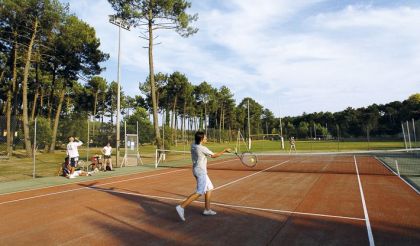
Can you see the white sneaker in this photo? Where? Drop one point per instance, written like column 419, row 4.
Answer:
column 71, row 177
column 209, row 212
column 180, row 211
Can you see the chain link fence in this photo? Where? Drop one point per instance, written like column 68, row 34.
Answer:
column 16, row 163
column 46, row 158
column 11, row 138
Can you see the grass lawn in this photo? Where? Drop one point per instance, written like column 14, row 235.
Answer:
column 20, row 167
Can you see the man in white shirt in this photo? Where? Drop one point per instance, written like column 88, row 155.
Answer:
column 73, row 153
column 199, row 154
column 106, row 151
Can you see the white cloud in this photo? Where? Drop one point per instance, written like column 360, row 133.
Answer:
column 286, row 55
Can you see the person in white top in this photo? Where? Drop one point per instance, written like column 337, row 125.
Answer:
column 199, row 154
column 106, row 151
column 73, row 153
column 292, row 144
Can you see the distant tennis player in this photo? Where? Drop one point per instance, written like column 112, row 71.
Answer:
column 199, row 154
column 292, row 144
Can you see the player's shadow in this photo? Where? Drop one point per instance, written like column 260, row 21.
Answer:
column 156, row 222
column 150, row 206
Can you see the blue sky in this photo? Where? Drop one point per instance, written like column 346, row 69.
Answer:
column 291, row 56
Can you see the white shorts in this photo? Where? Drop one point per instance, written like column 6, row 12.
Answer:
column 204, row 183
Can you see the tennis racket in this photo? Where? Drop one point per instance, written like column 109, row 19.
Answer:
column 248, row 159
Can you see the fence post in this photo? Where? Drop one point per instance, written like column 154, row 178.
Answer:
column 156, row 158
column 34, row 151
column 405, row 141
column 408, row 134
column 414, row 132
column 88, row 140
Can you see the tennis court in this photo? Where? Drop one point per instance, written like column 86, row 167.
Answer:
column 285, row 200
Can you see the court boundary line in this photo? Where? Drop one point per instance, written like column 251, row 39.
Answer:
column 77, row 189
column 233, row 205
column 391, row 170
column 365, row 211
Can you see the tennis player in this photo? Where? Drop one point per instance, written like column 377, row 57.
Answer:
column 292, row 144
column 199, row 154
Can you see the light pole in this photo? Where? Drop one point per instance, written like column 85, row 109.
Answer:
column 121, row 23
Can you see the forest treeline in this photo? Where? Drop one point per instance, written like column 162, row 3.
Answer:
column 49, row 66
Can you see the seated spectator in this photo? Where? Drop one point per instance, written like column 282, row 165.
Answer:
column 81, row 173
column 67, row 171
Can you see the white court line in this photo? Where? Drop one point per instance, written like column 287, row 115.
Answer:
column 111, row 177
column 233, row 206
column 251, row 175
column 114, row 182
column 177, row 199
column 369, row 228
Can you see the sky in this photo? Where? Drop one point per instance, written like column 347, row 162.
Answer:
column 291, row 56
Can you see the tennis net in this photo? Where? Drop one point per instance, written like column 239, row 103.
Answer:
column 385, row 162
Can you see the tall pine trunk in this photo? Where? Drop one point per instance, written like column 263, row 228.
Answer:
column 25, row 119
column 51, row 97
column 41, row 99
column 152, row 80
column 94, row 113
column 174, row 118
column 223, row 123
column 220, row 124
column 36, row 94
column 11, row 93
column 56, row 119
column 183, row 120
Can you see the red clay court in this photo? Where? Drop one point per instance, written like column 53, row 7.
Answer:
column 285, row 200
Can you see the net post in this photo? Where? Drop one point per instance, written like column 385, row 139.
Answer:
column 139, row 160
column 281, row 135
column 124, row 161
column 156, row 158
column 282, row 142
column 249, row 143
column 398, row 169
